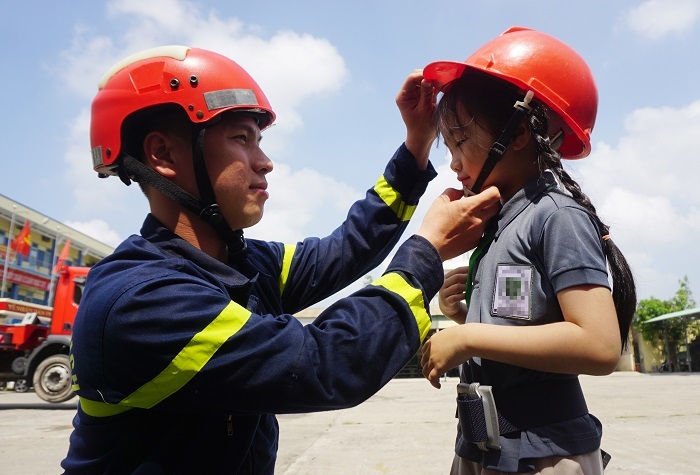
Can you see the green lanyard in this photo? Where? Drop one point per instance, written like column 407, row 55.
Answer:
column 476, row 258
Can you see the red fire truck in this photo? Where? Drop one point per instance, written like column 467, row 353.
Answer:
column 35, row 339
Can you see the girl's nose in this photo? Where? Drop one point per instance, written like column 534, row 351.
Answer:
column 455, row 164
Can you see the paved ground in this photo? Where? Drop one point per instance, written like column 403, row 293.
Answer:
column 651, row 427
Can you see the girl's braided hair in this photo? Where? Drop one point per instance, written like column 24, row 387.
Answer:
column 490, row 103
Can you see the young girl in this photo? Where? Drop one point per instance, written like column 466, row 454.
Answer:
column 539, row 308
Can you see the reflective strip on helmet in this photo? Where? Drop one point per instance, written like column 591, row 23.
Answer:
column 413, row 297
column 97, row 160
column 393, row 200
column 181, row 369
column 230, row 97
column 286, row 265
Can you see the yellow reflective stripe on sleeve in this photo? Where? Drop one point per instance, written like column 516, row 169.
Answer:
column 286, row 265
column 101, row 409
column 393, row 199
column 413, row 296
column 182, row 368
column 73, row 377
column 191, row 358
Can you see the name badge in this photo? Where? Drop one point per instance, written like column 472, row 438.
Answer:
column 512, row 294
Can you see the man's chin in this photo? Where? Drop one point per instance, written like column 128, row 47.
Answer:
column 251, row 219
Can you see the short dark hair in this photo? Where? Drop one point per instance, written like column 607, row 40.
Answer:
column 168, row 117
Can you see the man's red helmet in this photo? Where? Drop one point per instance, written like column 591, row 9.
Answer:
column 537, row 62
column 203, row 83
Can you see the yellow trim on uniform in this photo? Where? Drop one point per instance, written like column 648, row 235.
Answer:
column 286, row 265
column 413, row 296
column 101, row 409
column 393, row 199
column 74, row 377
column 182, row 368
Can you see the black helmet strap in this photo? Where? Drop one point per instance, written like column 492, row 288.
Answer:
column 498, row 149
column 210, row 211
column 132, row 169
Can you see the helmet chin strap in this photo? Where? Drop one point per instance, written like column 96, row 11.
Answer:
column 206, row 208
column 498, row 149
column 210, row 211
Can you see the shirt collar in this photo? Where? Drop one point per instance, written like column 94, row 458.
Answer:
column 173, row 245
column 534, row 188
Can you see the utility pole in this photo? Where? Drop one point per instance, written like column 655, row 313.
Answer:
column 7, row 250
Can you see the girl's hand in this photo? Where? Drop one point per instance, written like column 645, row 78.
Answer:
column 442, row 352
column 452, row 294
column 417, row 101
column 587, row 341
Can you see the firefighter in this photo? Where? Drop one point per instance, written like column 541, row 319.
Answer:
column 185, row 345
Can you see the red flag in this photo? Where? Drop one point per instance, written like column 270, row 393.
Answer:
column 23, row 243
column 62, row 257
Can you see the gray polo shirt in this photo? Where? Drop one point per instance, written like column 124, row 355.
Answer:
column 544, row 242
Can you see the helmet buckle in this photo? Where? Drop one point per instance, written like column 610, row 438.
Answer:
column 211, row 214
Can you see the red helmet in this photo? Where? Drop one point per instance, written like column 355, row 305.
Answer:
column 203, row 83
column 534, row 61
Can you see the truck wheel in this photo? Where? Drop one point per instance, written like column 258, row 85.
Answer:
column 21, row 386
column 19, row 364
column 52, row 379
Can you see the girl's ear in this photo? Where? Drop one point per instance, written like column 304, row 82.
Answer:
column 521, row 137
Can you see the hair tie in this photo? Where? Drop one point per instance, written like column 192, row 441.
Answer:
column 606, row 237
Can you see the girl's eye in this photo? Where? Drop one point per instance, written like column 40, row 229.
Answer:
column 460, row 142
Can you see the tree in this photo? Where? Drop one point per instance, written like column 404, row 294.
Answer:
column 684, row 296
column 671, row 332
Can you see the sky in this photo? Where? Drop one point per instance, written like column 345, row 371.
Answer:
column 331, row 72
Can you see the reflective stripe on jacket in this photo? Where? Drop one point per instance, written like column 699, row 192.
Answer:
column 181, row 361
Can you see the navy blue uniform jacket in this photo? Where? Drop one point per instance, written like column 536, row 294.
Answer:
column 181, row 361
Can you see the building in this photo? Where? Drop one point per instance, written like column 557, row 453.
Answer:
column 29, row 277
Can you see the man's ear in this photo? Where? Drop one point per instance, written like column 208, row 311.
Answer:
column 158, row 148
column 521, row 136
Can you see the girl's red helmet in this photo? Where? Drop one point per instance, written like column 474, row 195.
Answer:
column 203, row 83
column 540, row 63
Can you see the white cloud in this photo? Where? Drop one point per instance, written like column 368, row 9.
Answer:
column 654, row 19
column 97, row 229
column 303, row 203
column 645, row 188
column 655, row 158
column 290, row 67
column 633, row 212
column 644, row 185
column 330, row 201
column 93, row 198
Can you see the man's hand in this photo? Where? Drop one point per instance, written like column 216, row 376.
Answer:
column 454, row 224
column 416, row 101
